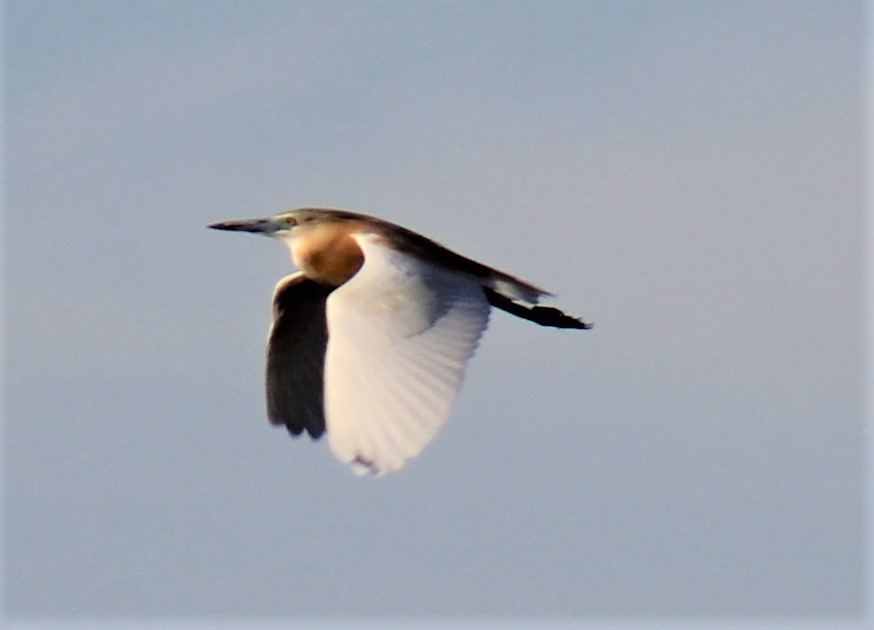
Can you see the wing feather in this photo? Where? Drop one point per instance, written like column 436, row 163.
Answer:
column 400, row 334
column 296, row 355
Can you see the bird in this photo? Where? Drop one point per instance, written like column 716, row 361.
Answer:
column 370, row 338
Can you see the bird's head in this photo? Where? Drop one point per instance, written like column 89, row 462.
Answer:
column 287, row 224
column 318, row 239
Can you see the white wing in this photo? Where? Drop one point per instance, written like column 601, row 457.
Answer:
column 400, row 333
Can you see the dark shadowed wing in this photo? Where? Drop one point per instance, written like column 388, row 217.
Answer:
column 296, row 355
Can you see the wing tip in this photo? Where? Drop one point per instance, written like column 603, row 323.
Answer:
column 543, row 315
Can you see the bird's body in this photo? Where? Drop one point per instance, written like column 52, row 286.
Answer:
column 371, row 337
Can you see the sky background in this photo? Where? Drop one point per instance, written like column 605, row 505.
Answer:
column 687, row 175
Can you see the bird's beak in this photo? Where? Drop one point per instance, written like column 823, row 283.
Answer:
column 259, row 226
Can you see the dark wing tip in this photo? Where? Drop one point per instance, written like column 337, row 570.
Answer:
column 543, row 315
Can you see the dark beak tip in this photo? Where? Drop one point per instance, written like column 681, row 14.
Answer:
column 257, row 226
column 233, row 226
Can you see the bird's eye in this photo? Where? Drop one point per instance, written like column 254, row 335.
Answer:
column 290, row 221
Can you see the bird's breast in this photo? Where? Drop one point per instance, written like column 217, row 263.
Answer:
column 328, row 256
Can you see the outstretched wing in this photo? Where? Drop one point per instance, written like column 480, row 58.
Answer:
column 296, row 355
column 400, row 334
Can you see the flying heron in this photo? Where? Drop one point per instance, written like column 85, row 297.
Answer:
column 370, row 339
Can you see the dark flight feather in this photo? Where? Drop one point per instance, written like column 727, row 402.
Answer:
column 543, row 315
column 296, row 356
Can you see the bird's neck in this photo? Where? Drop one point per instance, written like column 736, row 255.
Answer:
column 328, row 256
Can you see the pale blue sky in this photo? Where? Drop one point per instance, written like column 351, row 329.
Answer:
column 688, row 175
